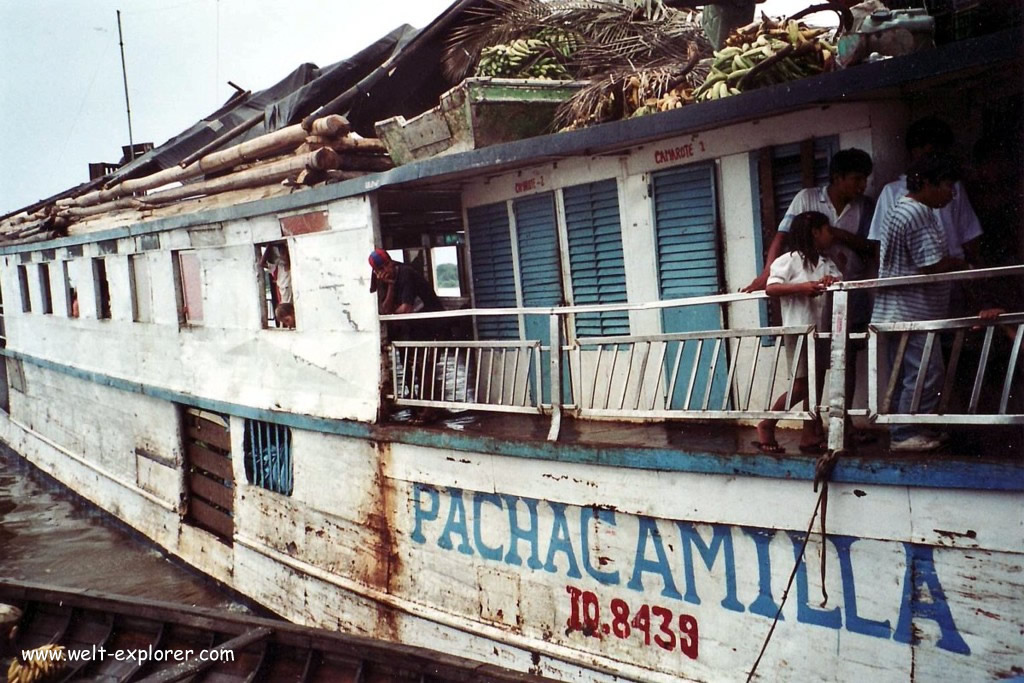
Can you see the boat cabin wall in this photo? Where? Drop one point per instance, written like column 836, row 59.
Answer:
column 712, row 175
column 182, row 312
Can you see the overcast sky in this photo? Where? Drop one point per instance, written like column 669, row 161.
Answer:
column 62, row 95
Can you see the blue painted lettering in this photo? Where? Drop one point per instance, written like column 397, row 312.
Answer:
column 456, row 524
column 829, row 618
column 855, row 622
column 923, row 595
column 419, row 514
column 764, row 605
column 921, row 575
column 721, row 539
column 561, row 543
column 649, row 530
column 608, row 517
column 517, row 533
column 486, row 552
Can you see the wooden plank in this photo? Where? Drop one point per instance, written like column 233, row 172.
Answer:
column 207, row 432
column 211, row 519
column 209, row 490
column 212, row 462
column 197, row 664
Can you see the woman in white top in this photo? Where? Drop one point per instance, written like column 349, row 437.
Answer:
column 799, row 278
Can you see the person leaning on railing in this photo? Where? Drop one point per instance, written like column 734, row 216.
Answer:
column 800, row 278
column 912, row 242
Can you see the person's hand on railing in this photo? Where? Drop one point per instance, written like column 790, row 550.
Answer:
column 988, row 315
column 830, row 280
column 757, row 284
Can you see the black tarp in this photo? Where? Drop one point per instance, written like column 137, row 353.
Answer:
column 288, row 101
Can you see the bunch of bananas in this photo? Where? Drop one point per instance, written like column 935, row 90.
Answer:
column 540, row 56
column 637, row 105
column 788, row 52
column 48, row 660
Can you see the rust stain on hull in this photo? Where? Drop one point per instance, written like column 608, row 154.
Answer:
column 384, row 517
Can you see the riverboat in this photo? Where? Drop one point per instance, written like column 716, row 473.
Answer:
column 590, row 507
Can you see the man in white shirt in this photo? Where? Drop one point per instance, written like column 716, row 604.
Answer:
column 843, row 201
column 957, row 219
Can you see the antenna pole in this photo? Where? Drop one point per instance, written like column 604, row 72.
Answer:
column 127, row 104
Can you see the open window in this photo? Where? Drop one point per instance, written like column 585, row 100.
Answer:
column 45, row 293
column 268, row 456
column 70, row 289
column 26, row 300
column 275, row 285
column 444, row 263
column 101, row 286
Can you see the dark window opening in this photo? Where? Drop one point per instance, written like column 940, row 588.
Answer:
column 44, row 288
column 268, row 457
column 26, row 301
column 70, row 293
column 102, row 288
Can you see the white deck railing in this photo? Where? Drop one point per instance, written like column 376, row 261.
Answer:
column 729, row 374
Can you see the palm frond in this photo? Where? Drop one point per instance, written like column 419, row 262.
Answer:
column 618, row 93
column 611, row 35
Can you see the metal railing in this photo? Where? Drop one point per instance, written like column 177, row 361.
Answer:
column 978, row 376
column 709, row 374
column 679, row 384
column 494, row 375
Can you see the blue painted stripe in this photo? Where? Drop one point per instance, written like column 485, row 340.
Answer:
column 943, row 473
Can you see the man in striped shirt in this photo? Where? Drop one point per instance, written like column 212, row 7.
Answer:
column 912, row 242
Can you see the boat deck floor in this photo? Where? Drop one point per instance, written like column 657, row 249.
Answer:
column 988, row 443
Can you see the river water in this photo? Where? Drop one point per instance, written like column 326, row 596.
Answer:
column 48, row 536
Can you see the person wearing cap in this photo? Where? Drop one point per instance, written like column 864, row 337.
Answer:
column 405, row 289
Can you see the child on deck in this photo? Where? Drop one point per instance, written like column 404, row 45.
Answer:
column 799, row 278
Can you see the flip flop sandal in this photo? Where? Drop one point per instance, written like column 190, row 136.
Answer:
column 768, row 447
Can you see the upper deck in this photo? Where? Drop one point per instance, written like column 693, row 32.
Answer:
column 173, row 306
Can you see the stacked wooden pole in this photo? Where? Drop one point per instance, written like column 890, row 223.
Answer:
column 294, row 156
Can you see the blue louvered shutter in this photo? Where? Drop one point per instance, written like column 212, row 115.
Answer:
column 539, row 271
column 595, row 256
column 685, row 223
column 787, row 170
column 494, row 282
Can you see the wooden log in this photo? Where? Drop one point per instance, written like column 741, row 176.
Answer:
column 320, row 140
column 330, row 126
column 221, row 139
column 359, row 145
column 354, row 162
column 263, row 174
column 339, row 176
column 282, row 140
column 76, row 213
